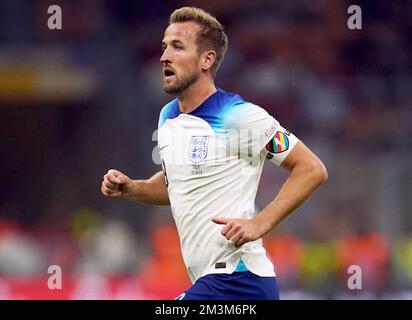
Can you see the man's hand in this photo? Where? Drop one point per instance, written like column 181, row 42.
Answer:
column 152, row 191
column 116, row 184
column 239, row 231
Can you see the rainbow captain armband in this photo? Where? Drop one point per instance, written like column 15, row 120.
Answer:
column 280, row 145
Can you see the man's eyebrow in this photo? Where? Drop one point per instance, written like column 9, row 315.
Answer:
column 172, row 42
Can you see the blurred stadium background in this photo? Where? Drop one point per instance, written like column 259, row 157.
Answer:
column 79, row 101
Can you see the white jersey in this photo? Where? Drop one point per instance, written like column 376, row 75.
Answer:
column 212, row 158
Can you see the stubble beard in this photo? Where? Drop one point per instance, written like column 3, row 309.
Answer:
column 181, row 84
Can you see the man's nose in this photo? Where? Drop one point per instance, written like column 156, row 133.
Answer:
column 165, row 56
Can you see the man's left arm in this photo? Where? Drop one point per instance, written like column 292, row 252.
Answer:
column 307, row 173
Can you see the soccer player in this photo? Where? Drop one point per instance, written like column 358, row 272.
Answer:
column 213, row 145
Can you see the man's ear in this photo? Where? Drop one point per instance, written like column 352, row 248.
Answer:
column 208, row 59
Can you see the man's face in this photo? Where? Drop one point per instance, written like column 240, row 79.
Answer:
column 180, row 59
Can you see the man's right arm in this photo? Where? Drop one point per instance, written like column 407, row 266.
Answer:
column 152, row 191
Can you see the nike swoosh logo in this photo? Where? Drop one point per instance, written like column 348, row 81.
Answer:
column 161, row 148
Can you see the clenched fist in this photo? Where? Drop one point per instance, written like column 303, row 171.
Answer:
column 116, row 184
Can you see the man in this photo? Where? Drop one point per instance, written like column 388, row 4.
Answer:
column 213, row 145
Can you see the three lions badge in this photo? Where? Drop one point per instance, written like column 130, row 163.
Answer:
column 198, row 148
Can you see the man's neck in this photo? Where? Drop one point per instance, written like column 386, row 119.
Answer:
column 195, row 96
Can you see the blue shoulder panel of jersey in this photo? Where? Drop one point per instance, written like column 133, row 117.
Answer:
column 213, row 110
column 169, row 111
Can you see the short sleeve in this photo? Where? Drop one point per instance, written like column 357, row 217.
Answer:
column 253, row 125
column 260, row 133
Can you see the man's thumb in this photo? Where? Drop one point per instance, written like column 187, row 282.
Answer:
column 220, row 220
column 120, row 179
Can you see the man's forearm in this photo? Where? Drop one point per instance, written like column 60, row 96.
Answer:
column 151, row 191
column 301, row 183
column 307, row 173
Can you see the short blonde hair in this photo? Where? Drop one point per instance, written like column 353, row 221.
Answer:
column 211, row 35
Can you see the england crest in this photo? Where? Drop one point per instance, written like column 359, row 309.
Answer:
column 198, row 148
